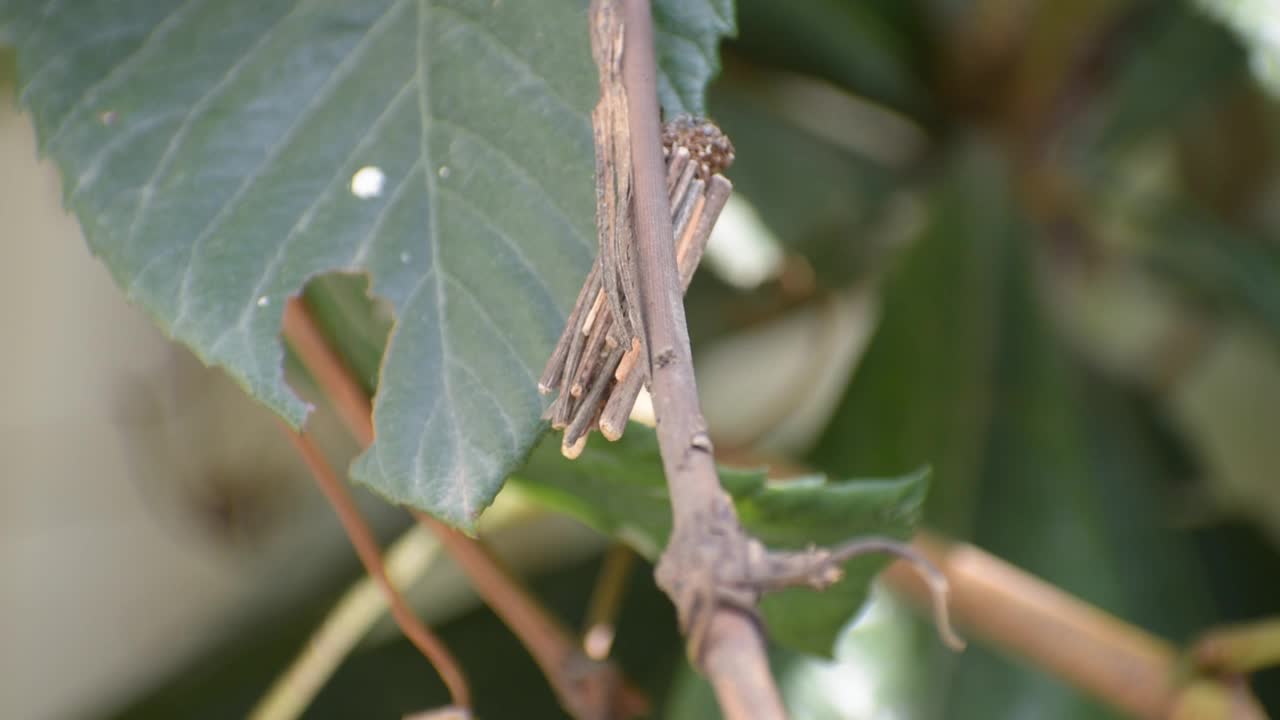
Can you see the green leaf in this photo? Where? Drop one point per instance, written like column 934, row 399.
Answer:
column 618, row 488
column 209, row 150
column 813, row 510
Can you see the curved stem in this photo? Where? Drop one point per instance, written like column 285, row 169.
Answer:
column 367, row 548
column 577, row 679
column 326, row 367
column 345, row 625
column 587, row 688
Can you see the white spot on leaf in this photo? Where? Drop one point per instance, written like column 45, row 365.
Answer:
column 368, row 182
column 264, row 301
column 443, row 172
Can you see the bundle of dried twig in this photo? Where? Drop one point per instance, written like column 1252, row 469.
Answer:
column 599, row 365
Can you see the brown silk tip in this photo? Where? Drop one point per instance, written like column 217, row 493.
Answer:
column 708, row 146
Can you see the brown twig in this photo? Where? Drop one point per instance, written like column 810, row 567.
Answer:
column 328, row 369
column 1090, row 649
column 732, row 652
column 712, row 570
column 589, row 689
column 367, row 549
column 344, row 625
column 579, row 681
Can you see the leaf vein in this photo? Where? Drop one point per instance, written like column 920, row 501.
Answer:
column 493, row 325
column 493, row 399
column 525, row 264
column 179, row 135
column 87, row 178
column 322, row 95
column 433, row 234
column 304, row 218
column 90, row 95
column 522, row 171
column 479, row 28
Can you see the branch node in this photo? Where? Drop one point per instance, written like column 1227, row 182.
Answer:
column 701, row 441
column 717, row 565
column 820, row 568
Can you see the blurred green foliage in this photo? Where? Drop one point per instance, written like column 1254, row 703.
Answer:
column 1138, row 151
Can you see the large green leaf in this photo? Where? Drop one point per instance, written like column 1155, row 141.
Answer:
column 209, row 150
column 618, row 488
column 815, row 510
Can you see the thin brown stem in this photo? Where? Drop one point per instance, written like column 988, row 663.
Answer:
column 488, row 575
column 726, row 642
column 367, row 549
column 347, row 622
column 578, row 680
column 586, row 688
column 327, row 368
column 680, row 422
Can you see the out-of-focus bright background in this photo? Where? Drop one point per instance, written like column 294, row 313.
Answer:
column 1033, row 243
